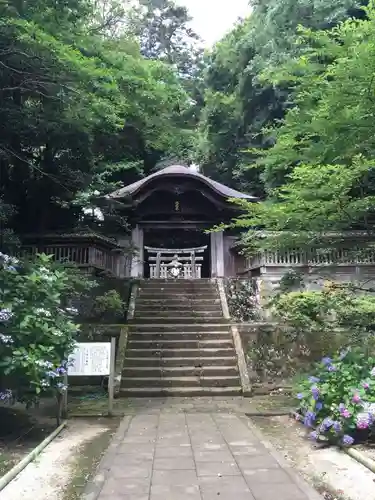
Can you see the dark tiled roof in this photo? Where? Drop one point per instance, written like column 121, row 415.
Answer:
column 180, row 170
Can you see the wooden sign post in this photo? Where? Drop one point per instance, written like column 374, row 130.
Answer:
column 93, row 359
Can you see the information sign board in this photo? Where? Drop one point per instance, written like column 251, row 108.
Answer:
column 90, row 359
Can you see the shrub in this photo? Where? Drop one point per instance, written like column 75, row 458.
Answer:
column 37, row 333
column 337, row 401
column 242, row 300
column 110, row 303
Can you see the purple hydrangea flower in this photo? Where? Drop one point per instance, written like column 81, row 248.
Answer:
column 344, row 412
column 314, row 380
column 364, row 420
column 318, row 405
column 300, row 395
column 347, row 440
column 356, row 398
column 332, row 368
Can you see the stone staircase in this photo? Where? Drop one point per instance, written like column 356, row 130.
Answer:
column 179, row 343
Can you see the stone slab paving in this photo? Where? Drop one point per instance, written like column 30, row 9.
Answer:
column 193, row 456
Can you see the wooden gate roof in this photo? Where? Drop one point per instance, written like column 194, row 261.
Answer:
column 180, row 171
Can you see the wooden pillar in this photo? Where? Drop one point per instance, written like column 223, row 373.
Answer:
column 217, row 255
column 220, row 254
column 137, row 260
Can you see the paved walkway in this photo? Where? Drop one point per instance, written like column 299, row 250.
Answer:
column 191, row 456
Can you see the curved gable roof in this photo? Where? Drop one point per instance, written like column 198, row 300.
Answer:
column 180, row 170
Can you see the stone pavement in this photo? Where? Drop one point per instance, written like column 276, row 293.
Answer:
column 191, row 456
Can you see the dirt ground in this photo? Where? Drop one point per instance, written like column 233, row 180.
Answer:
column 61, row 471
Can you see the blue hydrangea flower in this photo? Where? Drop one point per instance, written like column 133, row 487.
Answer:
column 332, row 368
column 315, row 392
column 314, row 380
column 300, row 395
column 326, row 424
column 318, row 405
column 314, row 435
column 6, row 339
column 347, row 440
column 326, row 361
column 309, row 419
column 337, row 427
column 6, row 395
column 5, row 314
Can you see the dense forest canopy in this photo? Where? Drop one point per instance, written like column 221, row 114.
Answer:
column 82, row 107
column 97, row 93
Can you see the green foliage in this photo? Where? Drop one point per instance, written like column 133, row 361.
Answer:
column 235, row 73
column 338, row 399
column 37, row 330
column 110, row 303
column 319, row 172
column 334, row 317
column 242, row 299
column 311, row 324
column 84, row 110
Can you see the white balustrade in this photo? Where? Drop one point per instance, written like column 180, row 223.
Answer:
column 290, row 258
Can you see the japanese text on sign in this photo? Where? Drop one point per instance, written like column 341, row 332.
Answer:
column 90, row 358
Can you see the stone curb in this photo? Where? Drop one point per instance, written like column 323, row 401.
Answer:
column 241, row 360
column 303, row 485
column 95, row 485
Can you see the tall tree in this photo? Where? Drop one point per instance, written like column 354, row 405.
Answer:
column 77, row 106
column 322, row 160
column 235, row 87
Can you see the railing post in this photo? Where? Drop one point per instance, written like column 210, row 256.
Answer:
column 193, row 269
column 158, row 259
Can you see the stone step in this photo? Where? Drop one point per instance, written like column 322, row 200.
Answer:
column 182, row 284
column 179, row 371
column 156, row 361
column 204, row 381
column 146, row 392
column 180, row 289
column 180, row 352
column 174, row 320
column 182, row 343
column 176, row 301
column 164, row 307
column 147, row 295
column 180, row 327
column 188, row 313
column 172, row 336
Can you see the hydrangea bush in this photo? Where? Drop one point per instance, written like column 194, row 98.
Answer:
column 37, row 333
column 337, row 401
